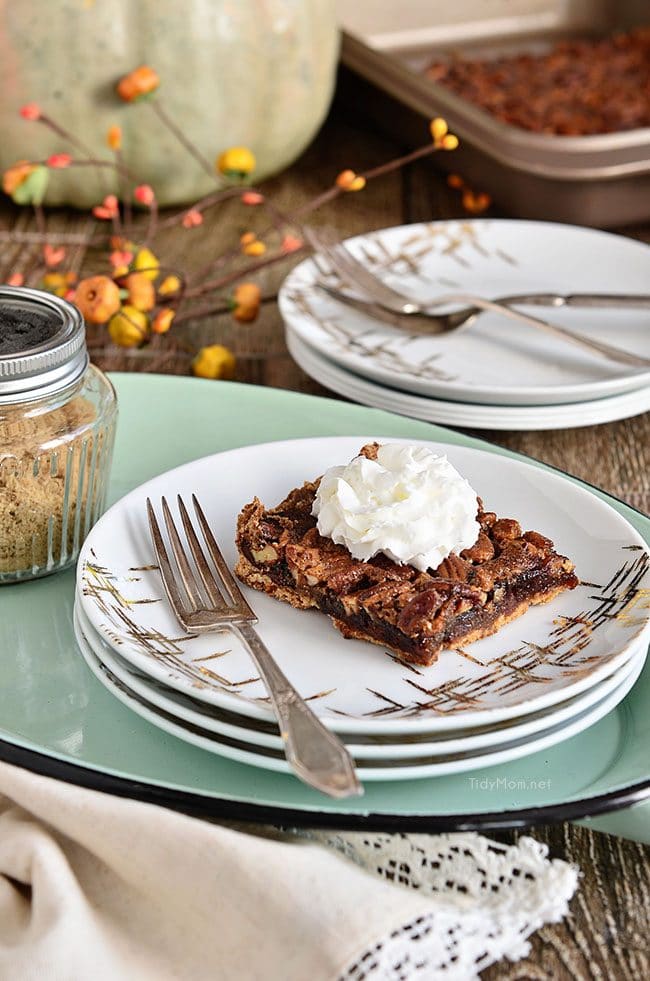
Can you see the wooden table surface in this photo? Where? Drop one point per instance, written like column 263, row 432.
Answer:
column 606, row 935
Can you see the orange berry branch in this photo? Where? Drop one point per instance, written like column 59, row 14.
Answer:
column 137, row 297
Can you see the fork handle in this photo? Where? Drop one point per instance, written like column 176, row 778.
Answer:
column 315, row 754
column 588, row 343
column 605, row 301
column 607, row 350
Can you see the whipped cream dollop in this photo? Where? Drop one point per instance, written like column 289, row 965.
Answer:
column 409, row 503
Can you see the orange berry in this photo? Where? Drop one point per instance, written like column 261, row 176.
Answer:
column 349, row 181
column 247, row 293
column 114, row 138
column 246, row 302
column 476, row 203
column 16, row 175
column 98, row 298
column 162, row 321
column 142, row 294
column 140, row 82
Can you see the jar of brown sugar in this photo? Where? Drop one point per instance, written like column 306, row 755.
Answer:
column 57, row 426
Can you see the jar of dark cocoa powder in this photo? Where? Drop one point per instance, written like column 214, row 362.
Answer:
column 57, row 426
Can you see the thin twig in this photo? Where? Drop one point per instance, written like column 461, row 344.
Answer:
column 182, row 139
column 61, row 131
column 153, row 222
column 83, row 246
column 207, row 202
column 39, row 215
column 38, row 238
column 232, row 277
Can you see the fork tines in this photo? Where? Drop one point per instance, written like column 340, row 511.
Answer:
column 195, row 587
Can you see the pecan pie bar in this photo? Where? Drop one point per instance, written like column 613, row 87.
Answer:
column 415, row 614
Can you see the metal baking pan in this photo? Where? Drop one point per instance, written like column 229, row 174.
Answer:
column 601, row 180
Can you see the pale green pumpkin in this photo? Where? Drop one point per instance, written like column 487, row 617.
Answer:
column 257, row 73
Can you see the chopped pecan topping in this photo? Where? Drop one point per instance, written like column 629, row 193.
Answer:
column 369, row 451
column 481, row 550
column 574, row 87
column 383, row 598
column 423, row 613
column 453, row 568
column 539, row 541
column 506, row 529
column 516, row 558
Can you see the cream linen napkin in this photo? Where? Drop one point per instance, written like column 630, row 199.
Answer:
column 95, row 886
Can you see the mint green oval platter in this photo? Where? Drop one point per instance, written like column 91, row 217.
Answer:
column 56, row 719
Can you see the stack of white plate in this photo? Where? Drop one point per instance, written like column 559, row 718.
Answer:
column 541, row 679
column 494, row 373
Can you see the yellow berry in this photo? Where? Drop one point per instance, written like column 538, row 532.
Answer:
column 255, row 248
column 449, row 142
column 215, row 361
column 129, row 327
column 439, row 128
column 55, row 283
column 146, row 261
column 237, row 161
column 170, row 284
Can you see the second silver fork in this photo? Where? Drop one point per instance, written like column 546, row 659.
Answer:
column 212, row 600
column 385, row 297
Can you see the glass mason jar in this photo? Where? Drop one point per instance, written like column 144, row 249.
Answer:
column 57, row 428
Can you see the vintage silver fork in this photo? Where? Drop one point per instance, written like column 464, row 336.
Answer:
column 383, row 297
column 213, row 600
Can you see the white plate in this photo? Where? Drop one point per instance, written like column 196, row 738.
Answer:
column 253, row 731
column 495, row 360
column 368, row 770
column 507, row 417
column 552, row 653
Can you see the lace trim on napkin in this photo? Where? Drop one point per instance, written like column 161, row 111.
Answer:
column 490, row 896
